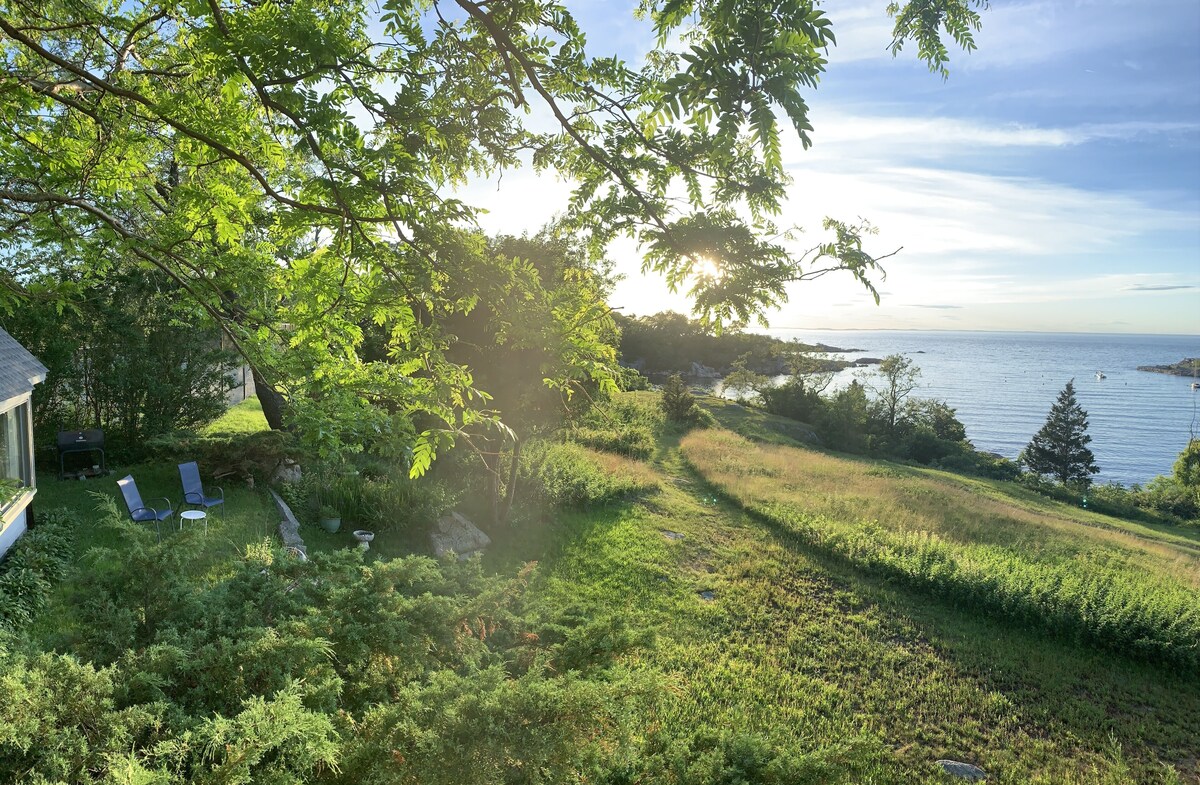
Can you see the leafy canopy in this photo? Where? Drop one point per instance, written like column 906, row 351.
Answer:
column 289, row 166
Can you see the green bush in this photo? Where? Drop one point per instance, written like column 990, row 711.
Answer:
column 283, row 671
column 634, row 441
column 565, row 475
column 625, row 426
column 243, row 456
column 389, row 503
column 792, row 399
column 677, row 403
column 33, row 565
column 631, row 379
column 969, row 461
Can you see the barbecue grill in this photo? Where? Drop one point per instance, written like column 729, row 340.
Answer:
column 86, row 441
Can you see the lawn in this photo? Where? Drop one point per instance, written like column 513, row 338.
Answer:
column 831, row 660
column 758, row 629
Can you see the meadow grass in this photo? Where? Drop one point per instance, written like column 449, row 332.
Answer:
column 825, row 660
column 1124, row 587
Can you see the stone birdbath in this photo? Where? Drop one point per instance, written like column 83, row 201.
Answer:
column 364, row 538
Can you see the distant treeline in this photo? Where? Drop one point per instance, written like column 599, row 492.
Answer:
column 669, row 342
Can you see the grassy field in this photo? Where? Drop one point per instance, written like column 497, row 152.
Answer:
column 1065, row 571
column 852, row 667
column 758, row 627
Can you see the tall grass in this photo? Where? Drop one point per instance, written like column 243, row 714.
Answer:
column 1043, row 568
column 569, row 475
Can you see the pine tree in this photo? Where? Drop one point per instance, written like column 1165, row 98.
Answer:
column 1060, row 448
column 677, row 402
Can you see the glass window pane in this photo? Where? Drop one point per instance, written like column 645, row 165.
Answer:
column 13, row 461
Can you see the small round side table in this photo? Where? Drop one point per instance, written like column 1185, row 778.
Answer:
column 193, row 516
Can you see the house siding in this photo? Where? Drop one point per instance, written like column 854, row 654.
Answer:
column 13, row 530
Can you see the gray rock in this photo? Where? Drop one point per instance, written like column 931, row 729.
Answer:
column 455, row 533
column 707, row 595
column 704, row 372
column 964, row 771
column 289, row 527
column 670, row 535
column 288, row 471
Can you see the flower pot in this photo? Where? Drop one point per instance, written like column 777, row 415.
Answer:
column 330, row 525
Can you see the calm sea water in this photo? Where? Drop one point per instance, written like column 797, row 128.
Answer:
column 1003, row 385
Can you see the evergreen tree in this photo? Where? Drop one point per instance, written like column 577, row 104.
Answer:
column 1060, row 448
column 677, row 403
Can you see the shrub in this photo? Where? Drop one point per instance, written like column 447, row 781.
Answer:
column 631, row 440
column 568, row 475
column 630, row 379
column 389, row 503
column 625, row 425
column 979, row 464
column 792, row 399
column 245, row 456
column 677, row 402
column 1168, row 496
column 33, row 565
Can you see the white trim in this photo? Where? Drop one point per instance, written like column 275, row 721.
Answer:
column 15, row 401
column 16, row 506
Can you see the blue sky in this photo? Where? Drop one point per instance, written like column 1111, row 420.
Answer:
column 1052, row 183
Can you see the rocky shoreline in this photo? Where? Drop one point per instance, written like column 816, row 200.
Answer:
column 700, row 371
column 1188, row 366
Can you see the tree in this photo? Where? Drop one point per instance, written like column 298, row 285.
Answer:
column 894, row 379
column 1060, row 448
column 132, row 357
column 287, row 165
column 677, row 403
column 746, row 382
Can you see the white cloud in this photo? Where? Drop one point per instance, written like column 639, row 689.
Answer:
column 842, row 133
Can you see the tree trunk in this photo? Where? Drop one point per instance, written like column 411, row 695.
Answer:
column 269, row 397
column 502, row 506
column 510, row 491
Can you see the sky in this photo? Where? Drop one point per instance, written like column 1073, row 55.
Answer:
column 1052, row 183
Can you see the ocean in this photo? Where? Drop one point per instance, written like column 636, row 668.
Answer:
column 1002, row 386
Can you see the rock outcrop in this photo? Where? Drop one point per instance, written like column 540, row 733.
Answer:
column 1188, row 366
column 454, row 533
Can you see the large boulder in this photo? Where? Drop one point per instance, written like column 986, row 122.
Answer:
column 455, row 533
column 287, row 471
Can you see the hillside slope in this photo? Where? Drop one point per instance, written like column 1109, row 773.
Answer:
column 763, row 632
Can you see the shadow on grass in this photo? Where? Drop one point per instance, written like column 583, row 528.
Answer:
column 1094, row 694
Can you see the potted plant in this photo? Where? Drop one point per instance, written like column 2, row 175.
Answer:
column 329, row 518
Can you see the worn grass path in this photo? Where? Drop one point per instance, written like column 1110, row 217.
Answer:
column 820, row 658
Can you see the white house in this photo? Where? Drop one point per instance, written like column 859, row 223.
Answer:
column 19, row 372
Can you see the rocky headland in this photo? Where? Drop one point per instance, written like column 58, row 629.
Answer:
column 1189, row 366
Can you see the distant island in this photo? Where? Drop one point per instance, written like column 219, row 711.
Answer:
column 1189, row 366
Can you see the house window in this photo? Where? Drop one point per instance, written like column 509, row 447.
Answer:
column 14, row 445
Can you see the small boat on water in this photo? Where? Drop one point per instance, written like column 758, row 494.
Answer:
column 1100, row 375
column 1196, row 385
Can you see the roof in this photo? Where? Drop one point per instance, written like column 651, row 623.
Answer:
column 19, row 370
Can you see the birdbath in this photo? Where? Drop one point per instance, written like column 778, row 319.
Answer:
column 364, row 538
